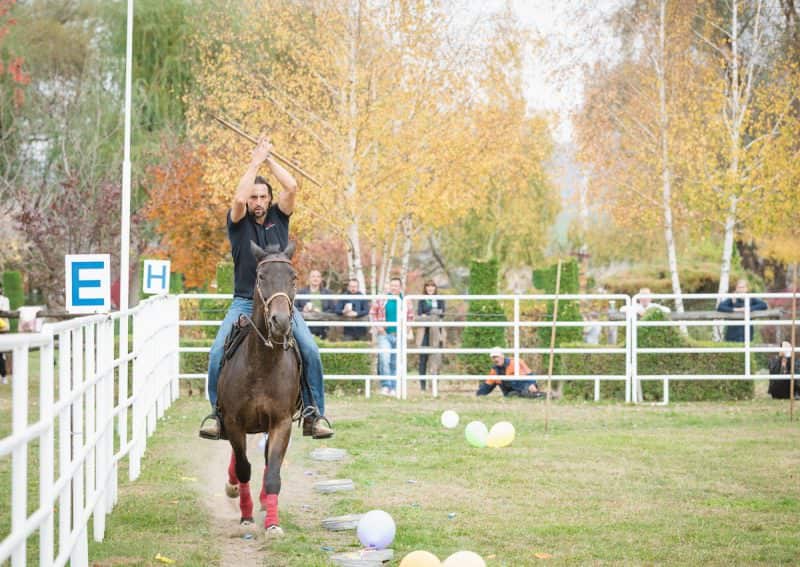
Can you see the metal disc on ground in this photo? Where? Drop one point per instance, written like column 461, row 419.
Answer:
column 340, row 523
column 335, row 485
column 363, row 558
column 328, row 454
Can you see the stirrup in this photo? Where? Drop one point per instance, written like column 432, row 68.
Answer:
column 206, row 435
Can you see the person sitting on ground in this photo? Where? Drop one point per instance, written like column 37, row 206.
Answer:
column 735, row 333
column 779, row 389
column 355, row 309
column 315, row 305
column 504, row 366
column 645, row 303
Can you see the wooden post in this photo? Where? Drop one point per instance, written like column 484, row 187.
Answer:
column 552, row 347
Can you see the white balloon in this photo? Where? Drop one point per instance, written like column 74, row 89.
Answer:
column 449, row 419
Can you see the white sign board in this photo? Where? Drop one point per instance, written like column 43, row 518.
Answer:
column 88, row 278
column 155, row 277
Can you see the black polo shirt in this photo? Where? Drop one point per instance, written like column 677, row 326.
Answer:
column 275, row 230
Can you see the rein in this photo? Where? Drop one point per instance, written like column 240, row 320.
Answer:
column 288, row 341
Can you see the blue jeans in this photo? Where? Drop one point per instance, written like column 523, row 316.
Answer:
column 312, row 364
column 387, row 362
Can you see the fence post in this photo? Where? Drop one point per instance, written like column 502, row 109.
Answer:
column 19, row 456
column 516, row 337
column 632, row 324
column 80, row 552
column 402, row 334
column 64, row 438
column 139, row 401
column 747, row 337
column 46, row 452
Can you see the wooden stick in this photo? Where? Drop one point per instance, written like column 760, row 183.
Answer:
column 279, row 157
column 552, row 347
column 794, row 343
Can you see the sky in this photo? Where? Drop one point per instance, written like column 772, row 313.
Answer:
column 573, row 36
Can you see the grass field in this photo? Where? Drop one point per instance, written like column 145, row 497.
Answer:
column 687, row 484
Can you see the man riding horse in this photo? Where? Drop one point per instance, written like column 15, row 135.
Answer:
column 253, row 217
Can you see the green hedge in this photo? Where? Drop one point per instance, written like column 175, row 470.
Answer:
column 345, row 363
column 13, row 289
column 482, row 281
column 679, row 363
column 568, row 310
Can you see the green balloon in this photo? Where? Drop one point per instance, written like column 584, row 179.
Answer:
column 476, row 434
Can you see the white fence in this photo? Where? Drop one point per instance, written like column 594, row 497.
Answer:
column 625, row 321
column 79, row 425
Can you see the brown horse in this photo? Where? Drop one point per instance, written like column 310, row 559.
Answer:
column 259, row 386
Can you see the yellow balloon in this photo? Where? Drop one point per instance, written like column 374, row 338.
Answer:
column 464, row 559
column 501, row 435
column 420, row 559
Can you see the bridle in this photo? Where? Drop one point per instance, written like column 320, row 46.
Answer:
column 288, row 340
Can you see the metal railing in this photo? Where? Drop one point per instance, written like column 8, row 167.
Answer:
column 81, row 426
column 404, row 325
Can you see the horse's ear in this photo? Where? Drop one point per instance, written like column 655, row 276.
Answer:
column 257, row 251
column 289, row 251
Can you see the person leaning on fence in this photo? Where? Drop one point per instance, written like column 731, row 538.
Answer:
column 645, row 303
column 315, row 305
column 432, row 336
column 353, row 308
column 782, row 365
column 504, row 366
column 735, row 334
column 386, row 337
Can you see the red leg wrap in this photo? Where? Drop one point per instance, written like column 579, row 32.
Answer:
column 263, row 494
column 245, row 500
column 272, row 511
column 232, row 471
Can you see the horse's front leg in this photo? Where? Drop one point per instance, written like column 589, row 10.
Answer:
column 279, row 434
column 241, row 472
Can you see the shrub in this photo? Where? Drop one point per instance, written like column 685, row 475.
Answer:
column 482, row 281
column 13, row 289
column 345, row 363
column 568, row 310
column 654, row 363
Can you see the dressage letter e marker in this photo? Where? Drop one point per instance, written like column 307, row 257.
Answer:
column 88, row 283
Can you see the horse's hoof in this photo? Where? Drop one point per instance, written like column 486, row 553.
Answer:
column 273, row 531
column 246, row 526
column 232, row 490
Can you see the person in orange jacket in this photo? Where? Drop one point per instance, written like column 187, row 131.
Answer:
column 504, row 366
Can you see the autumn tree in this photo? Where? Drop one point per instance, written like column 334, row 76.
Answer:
column 188, row 215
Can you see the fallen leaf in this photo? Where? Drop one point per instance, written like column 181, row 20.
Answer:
column 163, row 559
column 542, row 555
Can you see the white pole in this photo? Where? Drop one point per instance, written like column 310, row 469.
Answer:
column 125, row 233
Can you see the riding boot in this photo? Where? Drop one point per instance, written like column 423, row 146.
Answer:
column 316, row 427
column 211, row 427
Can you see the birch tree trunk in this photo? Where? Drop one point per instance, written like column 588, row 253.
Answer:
column 351, row 192
column 666, row 173
column 407, row 226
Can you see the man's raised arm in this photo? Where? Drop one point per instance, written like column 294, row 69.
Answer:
column 260, row 154
column 287, row 197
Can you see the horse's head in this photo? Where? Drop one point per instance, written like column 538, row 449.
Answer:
column 275, row 288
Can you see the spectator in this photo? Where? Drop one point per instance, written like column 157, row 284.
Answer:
column 5, row 327
column 355, row 309
column 387, row 311
column 735, row 334
column 430, row 336
column 315, row 305
column 644, row 303
column 782, row 364
column 504, row 366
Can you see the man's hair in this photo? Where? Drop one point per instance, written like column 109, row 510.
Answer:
column 396, row 279
column 261, row 181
